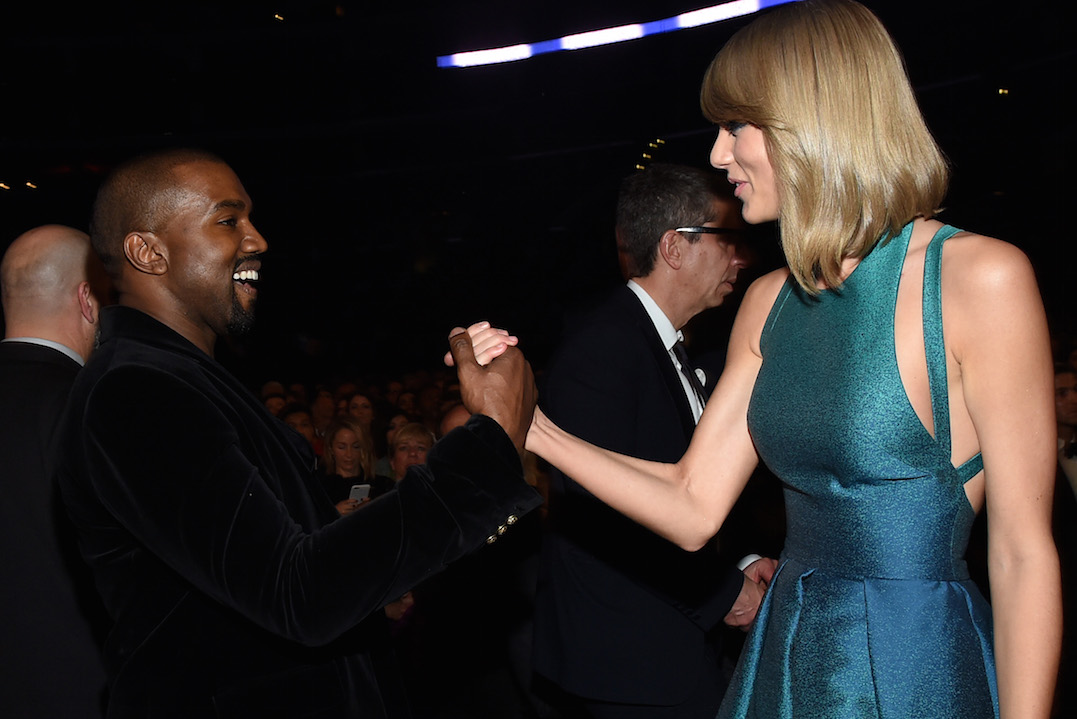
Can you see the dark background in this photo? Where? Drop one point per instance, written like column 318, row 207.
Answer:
column 400, row 199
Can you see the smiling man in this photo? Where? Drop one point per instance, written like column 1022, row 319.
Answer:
column 233, row 590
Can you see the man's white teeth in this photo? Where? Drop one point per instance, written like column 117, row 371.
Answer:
column 245, row 275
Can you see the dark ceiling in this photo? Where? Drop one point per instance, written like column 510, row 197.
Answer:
column 399, row 198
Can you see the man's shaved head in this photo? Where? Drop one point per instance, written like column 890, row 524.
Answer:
column 41, row 270
column 139, row 195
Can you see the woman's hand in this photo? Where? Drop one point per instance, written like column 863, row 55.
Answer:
column 486, row 341
column 347, row 506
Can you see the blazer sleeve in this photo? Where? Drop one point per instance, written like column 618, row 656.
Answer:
column 202, row 506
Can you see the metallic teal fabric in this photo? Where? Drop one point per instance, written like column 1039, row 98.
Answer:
column 872, row 613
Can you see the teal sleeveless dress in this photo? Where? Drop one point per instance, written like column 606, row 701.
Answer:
column 872, row 612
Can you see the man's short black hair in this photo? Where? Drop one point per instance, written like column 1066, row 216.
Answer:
column 659, row 198
column 139, row 195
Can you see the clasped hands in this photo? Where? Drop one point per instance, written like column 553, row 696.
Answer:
column 505, row 390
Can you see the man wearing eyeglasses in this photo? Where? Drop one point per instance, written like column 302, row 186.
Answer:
column 626, row 623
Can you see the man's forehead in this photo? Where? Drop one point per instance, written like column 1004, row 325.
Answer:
column 213, row 184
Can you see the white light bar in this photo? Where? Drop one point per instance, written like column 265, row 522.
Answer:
column 602, row 37
column 489, row 57
column 607, row 36
column 718, row 13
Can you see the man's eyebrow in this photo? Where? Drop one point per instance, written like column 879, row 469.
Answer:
column 230, row 205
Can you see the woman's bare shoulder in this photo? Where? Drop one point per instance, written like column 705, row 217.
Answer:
column 989, row 291
column 764, row 290
column 755, row 308
column 975, row 265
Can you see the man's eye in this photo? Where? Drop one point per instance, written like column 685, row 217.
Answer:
column 231, row 222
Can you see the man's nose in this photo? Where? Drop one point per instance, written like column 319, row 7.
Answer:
column 254, row 243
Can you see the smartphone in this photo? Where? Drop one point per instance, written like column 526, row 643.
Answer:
column 360, row 492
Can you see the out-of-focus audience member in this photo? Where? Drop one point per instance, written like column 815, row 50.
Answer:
column 428, row 405
column 409, row 447
column 297, row 416
column 322, row 410
column 455, row 416
column 297, row 392
column 348, row 461
column 407, row 403
column 275, row 403
column 393, row 388
column 270, row 388
column 362, row 409
column 50, row 662
column 382, row 466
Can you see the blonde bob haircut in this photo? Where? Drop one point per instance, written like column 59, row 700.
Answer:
column 853, row 159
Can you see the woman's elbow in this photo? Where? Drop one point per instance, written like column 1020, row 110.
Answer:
column 693, row 536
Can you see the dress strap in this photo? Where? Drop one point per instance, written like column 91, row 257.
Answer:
column 935, row 348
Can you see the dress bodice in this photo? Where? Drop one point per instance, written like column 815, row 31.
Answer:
column 871, row 612
column 868, row 488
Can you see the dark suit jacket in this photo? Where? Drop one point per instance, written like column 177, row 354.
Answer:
column 232, row 581
column 49, row 660
column 622, row 615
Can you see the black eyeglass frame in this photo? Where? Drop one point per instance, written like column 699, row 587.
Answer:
column 708, row 230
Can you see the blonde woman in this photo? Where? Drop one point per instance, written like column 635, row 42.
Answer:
column 896, row 377
column 348, row 459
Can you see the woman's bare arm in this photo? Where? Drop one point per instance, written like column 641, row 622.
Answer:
column 1001, row 343
column 688, row 501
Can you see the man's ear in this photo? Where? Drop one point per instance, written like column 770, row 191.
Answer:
column 671, row 249
column 88, row 304
column 146, row 253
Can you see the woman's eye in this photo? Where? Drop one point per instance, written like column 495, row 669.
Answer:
column 734, row 127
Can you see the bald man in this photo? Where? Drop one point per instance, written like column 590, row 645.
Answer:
column 49, row 659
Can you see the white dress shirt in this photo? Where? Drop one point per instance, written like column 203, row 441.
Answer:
column 670, row 336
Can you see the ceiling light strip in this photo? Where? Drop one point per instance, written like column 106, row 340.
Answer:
column 607, row 36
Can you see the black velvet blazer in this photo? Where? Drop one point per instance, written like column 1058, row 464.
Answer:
column 232, row 582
